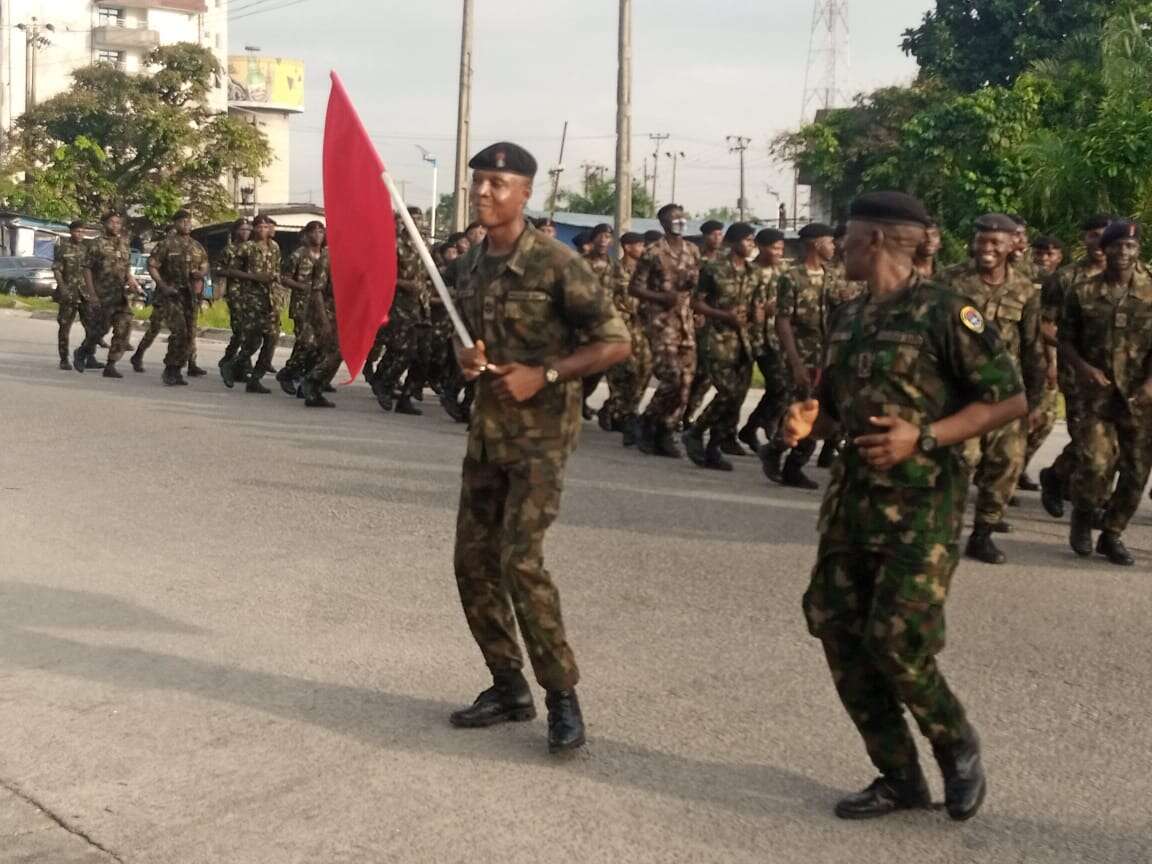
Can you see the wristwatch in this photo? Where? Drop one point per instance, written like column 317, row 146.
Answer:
column 551, row 375
column 927, row 442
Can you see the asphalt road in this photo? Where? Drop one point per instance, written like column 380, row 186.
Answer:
column 229, row 632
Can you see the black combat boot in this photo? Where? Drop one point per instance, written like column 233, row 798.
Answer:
column 604, row 419
column 565, row 722
column 1002, row 527
column 314, row 396
column 137, row 362
column 748, row 436
column 770, row 455
column 628, row 427
column 173, row 378
column 828, row 453
column 1112, row 547
column 383, row 394
column 1051, row 495
column 793, row 475
column 646, row 437
column 1080, row 532
column 92, row 363
column 79, row 360
column 963, row 770
column 586, row 411
column 693, row 439
column 111, row 372
column 65, row 364
column 228, row 373
column 714, row 457
column 507, row 700
column 666, row 444
column 904, row 790
column 729, row 446
column 982, row 548
column 254, row 385
column 328, row 388
column 451, row 407
column 195, row 371
column 1027, row 484
column 286, row 382
column 405, row 406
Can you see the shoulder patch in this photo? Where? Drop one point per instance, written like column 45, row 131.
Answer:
column 971, row 318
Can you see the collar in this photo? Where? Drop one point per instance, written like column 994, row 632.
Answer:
column 524, row 244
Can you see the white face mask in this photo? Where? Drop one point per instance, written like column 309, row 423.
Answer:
column 752, row 256
column 678, row 226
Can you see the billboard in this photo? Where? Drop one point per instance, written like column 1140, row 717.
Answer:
column 275, row 83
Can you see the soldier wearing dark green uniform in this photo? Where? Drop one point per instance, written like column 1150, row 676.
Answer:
column 107, row 279
column 178, row 265
column 770, row 361
column 1010, row 300
column 731, row 296
column 599, row 261
column 912, row 371
column 1106, row 334
column 297, row 276
column 1047, row 253
column 1055, row 482
column 628, row 380
column 68, row 268
column 542, row 323
column 711, row 249
column 256, row 266
column 323, row 359
column 227, row 288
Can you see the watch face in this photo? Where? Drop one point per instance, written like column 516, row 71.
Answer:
column 927, row 443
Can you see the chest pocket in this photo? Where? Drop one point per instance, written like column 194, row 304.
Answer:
column 527, row 316
column 1009, row 313
column 898, row 352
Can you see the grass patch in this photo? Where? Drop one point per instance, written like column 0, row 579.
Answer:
column 34, row 304
column 214, row 317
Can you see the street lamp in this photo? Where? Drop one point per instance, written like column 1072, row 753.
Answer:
column 431, row 159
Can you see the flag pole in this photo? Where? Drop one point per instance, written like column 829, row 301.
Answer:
column 429, row 265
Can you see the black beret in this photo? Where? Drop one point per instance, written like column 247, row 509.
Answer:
column 181, row 214
column 1095, row 223
column 630, row 237
column 738, row 231
column 768, row 236
column 75, row 224
column 1045, row 242
column 1119, row 230
column 263, row 220
column 653, row 236
column 996, row 222
column 895, row 207
column 602, row 228
column 580, row 239
column 712, row 225
column 507, row 157
column 241, row 222
column 816, row 230
column 1018, row 219
column 544, row 221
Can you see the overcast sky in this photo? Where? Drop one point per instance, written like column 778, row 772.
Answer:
column 703, row 70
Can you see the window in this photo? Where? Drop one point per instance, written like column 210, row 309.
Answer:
column 111, row 17
column 113, row 58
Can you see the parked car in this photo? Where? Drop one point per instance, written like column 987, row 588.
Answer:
column 139, row 264
column 27, row 276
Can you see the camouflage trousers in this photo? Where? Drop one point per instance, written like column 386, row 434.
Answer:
column 1001, row 461
column 233, row 322
column 772, row 405
column 1070, row 457
column 180, row 319
column 879, row 614
column 701, row 381
column 401, row 354
column 627, row 381
column 505, row 509
column 370, row 367
column 1116, row 441
column 674, row 365
column 731, row 377
column 259, row 325
column 302, row 348
column 71, row 305
column 441, row 356
column 112, row 314
column 1049, row 408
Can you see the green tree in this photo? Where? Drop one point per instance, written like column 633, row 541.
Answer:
column 146, row 142
column 600, row 198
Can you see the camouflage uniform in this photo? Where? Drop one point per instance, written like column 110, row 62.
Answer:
column 68, row 266
column 671, row 331
column 730, row 351
column 107, row 259
column 299, row 267
column 1052, row 300
column 256, row 304
column 410, row 311
column 1014, row 309
column 627, row 381
column 771, row 363
column 230, row 290
column 1114, row 334
column 533, row 307
column 702, row 380
column 888, row 544
column 322, row 359
column 178, row 259
column 602, row 268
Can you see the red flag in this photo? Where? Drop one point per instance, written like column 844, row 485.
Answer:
column 361, row 230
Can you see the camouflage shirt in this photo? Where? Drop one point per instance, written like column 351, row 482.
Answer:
column 1014, row 308
column 803, row 298
column 108, row 260
column 413, row 286
column 178, row 259
column 299, row 268
column 741, row 291
column 221, row 283
column 1056, row 287
column 256, row 258
column 1111, row 331
column 667, row 270
column 68, row 265
column 770, row 341
column 534, row 307
column 921, row 356
column 627, row 305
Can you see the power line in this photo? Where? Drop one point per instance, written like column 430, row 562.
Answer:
column 249, row 14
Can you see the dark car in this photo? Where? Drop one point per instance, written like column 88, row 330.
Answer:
column 27, row 276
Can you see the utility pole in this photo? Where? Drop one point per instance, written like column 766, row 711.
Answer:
column 739, row 145
column 624, row 121
column 675, row 156
column 659, row 138
column 592, row 171
column 33, row 42
column 430, row 158
column 463, row 123
column 555, row 174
